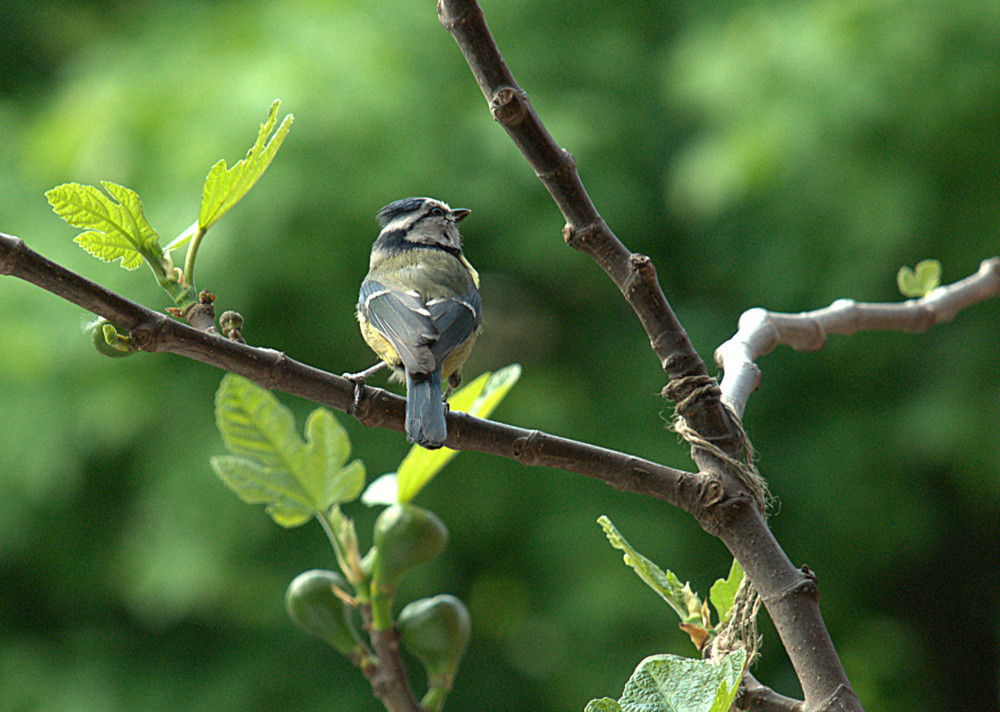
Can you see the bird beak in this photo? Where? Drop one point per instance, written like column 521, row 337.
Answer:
column 459, row 213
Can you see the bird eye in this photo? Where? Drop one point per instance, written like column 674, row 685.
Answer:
column 437, row 211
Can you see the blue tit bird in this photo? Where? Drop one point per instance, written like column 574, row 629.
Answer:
column 419, row 307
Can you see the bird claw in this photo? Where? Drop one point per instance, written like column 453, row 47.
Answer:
column 358, row 379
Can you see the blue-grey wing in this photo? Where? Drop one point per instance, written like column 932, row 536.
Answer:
column 455, row 318
column 404, row 320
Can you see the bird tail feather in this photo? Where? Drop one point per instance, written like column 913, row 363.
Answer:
column 425, row 413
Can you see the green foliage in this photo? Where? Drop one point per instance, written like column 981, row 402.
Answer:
column 271, row 465
column 920, row 282
column 421, row 465
column 816, row 145
column 116, row 227
column 688, row 605
column 680, row 597
column 723, row 591
column 668, row 683
column 108, row 341
column 225, row 186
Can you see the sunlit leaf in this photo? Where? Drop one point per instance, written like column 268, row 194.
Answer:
column 723, row 591
column 327, row 449
column 116, row 227
column 669, row 683
column 295, row 479
column 344, row 485
column 920, row 282
column 255, row 425
column 225, row 186
column 605, row 704
column 383, row 490
column 680, row 597
column 478, row 398
column 260, row 485
column 182, row 239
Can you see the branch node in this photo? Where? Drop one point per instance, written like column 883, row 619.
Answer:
column 565, row 165
column 641, row 273
column 145, row 336
column 509, row 106
column 578, row 237
column 448, row 20
column 521, row 447
column 713, row 492
column 805, row 586
column 10, row 256
column 201, row 315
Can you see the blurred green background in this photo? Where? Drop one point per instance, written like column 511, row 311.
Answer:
column 770, row 154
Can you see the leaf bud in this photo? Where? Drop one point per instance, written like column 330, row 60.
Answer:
column 108, row 341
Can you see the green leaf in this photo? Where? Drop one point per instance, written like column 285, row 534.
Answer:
column 669, row 683
column 255, row 425
column 681, row 598
column 295, row 479
column 108, row 341
column 345, row 485
column 327, row 449
column 115, row 227
column 260, row 485
column 605, row 704
column 479, row 398
column 483, row 395
column 921, row 282
column 225, row 186
column 723, row 591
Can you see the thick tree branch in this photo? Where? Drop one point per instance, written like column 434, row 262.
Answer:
column 585, row 230
column 789, row 594
column 759, row 698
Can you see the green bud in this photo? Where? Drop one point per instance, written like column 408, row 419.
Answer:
column 405, row 535
column 312, row 604
column 108, row 341
column 436, row 631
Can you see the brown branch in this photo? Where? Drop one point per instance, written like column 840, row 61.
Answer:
column 788, row 593
column 152, row 331
column 388, row 678
column 759, row 698
column 585, row 230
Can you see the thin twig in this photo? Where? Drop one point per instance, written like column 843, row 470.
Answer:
column 760, row 331
column 387, row 678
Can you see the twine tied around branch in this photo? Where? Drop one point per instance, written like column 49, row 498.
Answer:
column 740, row 628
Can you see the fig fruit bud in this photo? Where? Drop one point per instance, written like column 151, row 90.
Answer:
column 313, row 605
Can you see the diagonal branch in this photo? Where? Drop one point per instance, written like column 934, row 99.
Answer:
column 790, row 595
column 152, row 331
column 585, row 229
